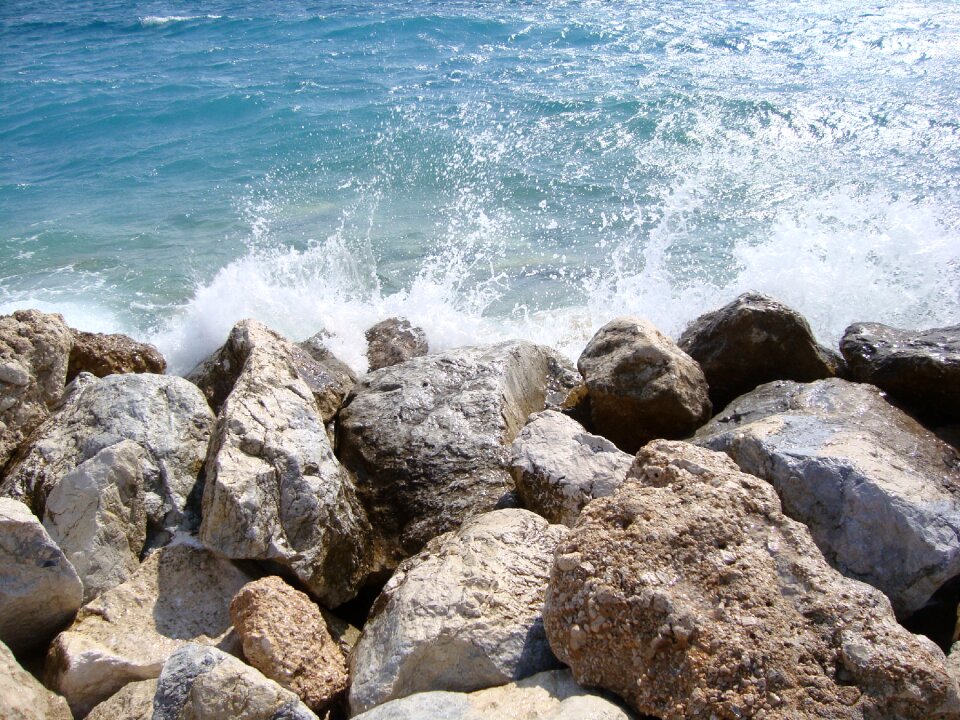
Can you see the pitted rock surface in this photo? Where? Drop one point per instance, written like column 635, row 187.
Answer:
column 393, row 341
column 103, row 355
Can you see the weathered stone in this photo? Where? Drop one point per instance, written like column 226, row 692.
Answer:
column 274, row 490
column 131, row 702
column 23, row 698
column 203, row 683
column 97, row 515
column 559, row 467
column 34, row 350
column 103, row 355
column 429, row 439
column 180, row 594
column 393, row 341
column 344, row 378
column 919, row 369
column 284, row 636
column 751, row 341
column 39, row 588
column 464, row 614
column 689, row 594
column 641, row 385
column 551, row 695
column 165, row 415
column 880, row 494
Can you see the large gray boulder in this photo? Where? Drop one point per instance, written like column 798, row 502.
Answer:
column 34, row 352
column 23, row 698
column 919, row 369
column 691, row 595
column 274, row 490
column 39, row 589
column 641, row 385
column 203, row 683
column 559, row 467
column 880, row 494
column 429, row 439
column 394, row 341
column 165, row 415
column 752, row 340
column 464, row 614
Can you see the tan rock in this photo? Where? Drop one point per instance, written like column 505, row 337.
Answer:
column 131, row 702
column 22, row 697
column 103, row 355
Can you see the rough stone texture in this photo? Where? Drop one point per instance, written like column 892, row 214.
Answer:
column 131, row 702
column 165, row 415
column 344, row 378
column 34, row 350
column 919, row 369
column 393, row 341
column 429, row 439
column 751, row 341
column 203, row 683
column 551, row 695
column 180, row 594
column 39, row 588
column 689, row 594
column 953, row 662
column 880, row 494
column 103, row 355
column 23, row 698
column 559, row 467
column 98, row 517
column 641, row 385
column 464, row 614
column 284, row 636
column 274, row 490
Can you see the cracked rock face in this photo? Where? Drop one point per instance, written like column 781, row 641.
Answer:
column 880, row 494
column 689, row 594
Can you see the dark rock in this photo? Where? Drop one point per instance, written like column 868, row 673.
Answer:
column 103, row 355
column 393, row 341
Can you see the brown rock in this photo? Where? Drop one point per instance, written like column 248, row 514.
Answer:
column 103, row 355
column 690, row 594
column 393, row 341
column 285, row 637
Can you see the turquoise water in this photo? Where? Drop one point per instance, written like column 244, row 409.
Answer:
column 488, row 169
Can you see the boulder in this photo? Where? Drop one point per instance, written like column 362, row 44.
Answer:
column 39, row 589
column 284, row 636
column 751, row 341
column 551, row 695
column 641, row 385
column 22, row 697
column 393, row 341
column 181, row 594
column 919, row 369
column 97, row 515
column 690, row 594
column 274, row 490
column 103, row 355
column 559, row 467
column 880, row 494
column 464, row 614
column 165, row 415
column 429, row 440
column 203, row 683
column 131, row 702
column 34, row 351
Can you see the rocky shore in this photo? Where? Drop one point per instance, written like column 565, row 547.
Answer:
column 737, row 524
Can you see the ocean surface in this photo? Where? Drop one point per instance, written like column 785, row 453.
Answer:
column 486, row 169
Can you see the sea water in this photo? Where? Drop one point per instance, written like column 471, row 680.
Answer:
column 487, row 169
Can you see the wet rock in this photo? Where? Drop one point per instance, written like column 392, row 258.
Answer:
column 880, row 494
column 429, row 439
column 274, row 490
column 34, row 351
column 103, row 355
column 22, row 697
column 393, row 341
column 464, row 614
column 689, row 594
column 641, row 385
column 181, row 594
column 131, row 702
column 559, row 467
column 39, row 588
column 203, row 683
column 919, row 369
column 284, row 636
column 751, row 341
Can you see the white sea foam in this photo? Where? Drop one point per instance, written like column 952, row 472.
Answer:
column 158, row 20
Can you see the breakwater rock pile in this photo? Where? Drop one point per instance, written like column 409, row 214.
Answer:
column 738, row 524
